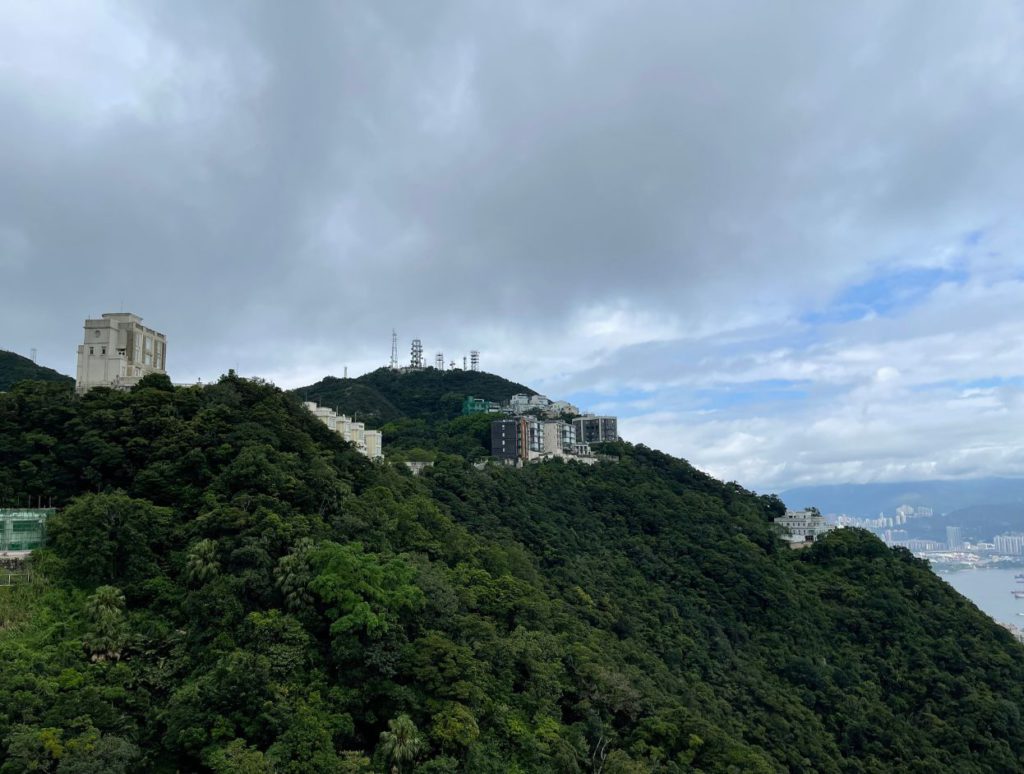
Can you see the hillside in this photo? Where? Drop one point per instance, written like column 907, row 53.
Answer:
column 431, row 395
column 15, row 368
column 231, row 588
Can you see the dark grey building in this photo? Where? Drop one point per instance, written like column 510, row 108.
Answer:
column 596, row 429
column 516, row 438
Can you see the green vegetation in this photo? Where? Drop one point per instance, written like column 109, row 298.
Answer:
column 14, row 368
column 384, row 396
column 229, row 587
column 419, row 412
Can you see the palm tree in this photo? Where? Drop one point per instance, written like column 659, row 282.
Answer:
column 293, row 574
column 105, row 609
column 201, row 566
column 402, row 743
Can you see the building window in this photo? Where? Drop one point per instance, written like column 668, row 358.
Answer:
column 103, row 350
column 92, row 351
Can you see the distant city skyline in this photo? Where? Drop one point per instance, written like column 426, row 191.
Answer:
column 783, row 245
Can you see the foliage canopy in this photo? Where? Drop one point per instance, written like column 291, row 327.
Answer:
column 229, row 587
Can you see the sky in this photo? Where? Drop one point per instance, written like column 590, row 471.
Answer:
column 781, row 240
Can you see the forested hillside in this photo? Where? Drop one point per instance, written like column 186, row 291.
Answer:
column 419, row 412
column 15, row 368
column 431, row 395
column 229, row 587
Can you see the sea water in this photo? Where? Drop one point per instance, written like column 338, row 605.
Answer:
column 990, row 590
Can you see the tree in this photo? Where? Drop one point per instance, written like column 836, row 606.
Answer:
column 110, row 538
column 201, row 566
column 401, row 744
column 293, row 574
column 107, row 630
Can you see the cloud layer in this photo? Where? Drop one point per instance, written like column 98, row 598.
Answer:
column 784, row 242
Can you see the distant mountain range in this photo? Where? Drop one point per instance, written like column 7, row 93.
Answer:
column 868, row 500
column 16, row 368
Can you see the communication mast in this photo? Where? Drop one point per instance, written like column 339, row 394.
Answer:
column 439, row 361
column 474, row 360
column 33, row 354
column 416, row 361
column 463, row 362
column 394, row 350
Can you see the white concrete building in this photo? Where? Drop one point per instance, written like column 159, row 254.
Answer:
column 118, row 351
column 367, row 442
column 324, row 414
column 559, row 407
column 519, row 404
column 802, row 527
column 559, row 437
column 374, row 442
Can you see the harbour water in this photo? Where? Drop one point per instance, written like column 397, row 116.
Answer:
column 990, row 590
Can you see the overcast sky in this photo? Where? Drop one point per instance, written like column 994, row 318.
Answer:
column 782, row 240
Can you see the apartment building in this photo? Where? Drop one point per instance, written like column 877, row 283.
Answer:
column 593, row 429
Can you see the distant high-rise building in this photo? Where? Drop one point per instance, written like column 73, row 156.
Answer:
column 954, row 540
column 118, row 351
column 1009, row 544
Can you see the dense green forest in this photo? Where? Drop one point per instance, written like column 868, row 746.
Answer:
column 229, row 587
column 419, row 412
column 15, row 368
column 384, row 395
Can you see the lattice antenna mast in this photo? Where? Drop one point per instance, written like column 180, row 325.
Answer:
column 416, row 361
column 474, row 360
column 394, row 350
column 439, row 361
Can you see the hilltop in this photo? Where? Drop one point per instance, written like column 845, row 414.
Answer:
column 15, row 368
column 230, row 587
column 384, row 396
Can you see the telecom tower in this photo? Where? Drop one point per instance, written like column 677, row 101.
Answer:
column 394, row 350
column 439, row 361
column 474, row 360
column 416, row 361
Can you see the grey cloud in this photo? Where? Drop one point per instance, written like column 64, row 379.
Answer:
column 277, row 185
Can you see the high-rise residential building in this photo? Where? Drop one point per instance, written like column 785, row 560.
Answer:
column 1009, row 544
column 516, row 439
column 118, row 351
column 591, row 429
column 954, row 539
